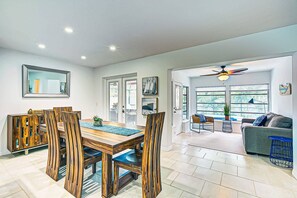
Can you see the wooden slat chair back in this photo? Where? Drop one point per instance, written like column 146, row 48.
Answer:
column 54, row 148
column 58, row 112
column 78, row 157
column 147, row 164
column 151, row 173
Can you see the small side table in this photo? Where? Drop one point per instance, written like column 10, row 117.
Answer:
column 281, row 151
column 227, row 126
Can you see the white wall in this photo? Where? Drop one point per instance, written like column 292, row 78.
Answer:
column 82, row 95
column 281, row 74
column 178, row 76
column 211, row 81
column 294, row 94
column 255, row 46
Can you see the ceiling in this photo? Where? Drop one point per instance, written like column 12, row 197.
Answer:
column 138, row 28
column 253, row 66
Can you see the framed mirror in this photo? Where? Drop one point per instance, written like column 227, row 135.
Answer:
column 39, row 82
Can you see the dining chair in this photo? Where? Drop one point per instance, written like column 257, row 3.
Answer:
column 56, row 148
column 58, row 112
column 78, row 157
column 147, row 162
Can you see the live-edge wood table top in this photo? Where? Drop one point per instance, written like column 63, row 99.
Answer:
column 104, row 141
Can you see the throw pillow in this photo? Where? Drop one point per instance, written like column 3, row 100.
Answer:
column 260, row 121
column 281, row 122
column 202, row 117
column 269, row 115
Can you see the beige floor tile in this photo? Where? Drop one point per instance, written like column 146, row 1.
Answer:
column 208, row 175
column 196, row 152
column 238, row 183
column 19, row 194
column 200, row 162
column 188, row 195
column 214, row 157
column 184, row 168
column 227, row 155
column 264, row 190
column 9, row 188
column 165, row 162
column 169, row 191
column 188, row 183
column 181, row 157
column 168, row 175
column 244, row 195
column 253, row 173
column 211, row 190
column 225, row 168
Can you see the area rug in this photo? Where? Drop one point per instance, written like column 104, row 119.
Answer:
column 227, row 142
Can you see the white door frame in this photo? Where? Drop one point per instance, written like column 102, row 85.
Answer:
column 121, row 95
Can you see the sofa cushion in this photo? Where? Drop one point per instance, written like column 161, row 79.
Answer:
column 269, row 115
column 202, row 117
column 260, row 121
column 280, row 122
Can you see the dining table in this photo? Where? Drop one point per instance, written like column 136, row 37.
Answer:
column 109, row 144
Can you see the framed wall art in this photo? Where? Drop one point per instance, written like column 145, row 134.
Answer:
column 285, row 89
column 150, row 86
column 149, row 105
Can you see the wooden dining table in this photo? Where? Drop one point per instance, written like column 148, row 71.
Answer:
column 109, row 144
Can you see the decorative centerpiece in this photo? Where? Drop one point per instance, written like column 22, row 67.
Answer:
column 227, row 111
column 97, row 121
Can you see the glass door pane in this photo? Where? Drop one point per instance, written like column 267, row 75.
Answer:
column 113, row 101
column 130, row 101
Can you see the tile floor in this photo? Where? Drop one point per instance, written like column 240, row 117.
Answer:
column 187, row 172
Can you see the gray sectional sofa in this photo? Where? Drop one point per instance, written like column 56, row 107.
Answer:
column 255, row 138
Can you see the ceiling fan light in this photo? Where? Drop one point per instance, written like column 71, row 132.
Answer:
column 223, row 77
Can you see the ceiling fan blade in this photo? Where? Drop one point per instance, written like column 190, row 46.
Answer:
column 209, row 75
column 216, row 71
column 232, row 71
column 235, row 74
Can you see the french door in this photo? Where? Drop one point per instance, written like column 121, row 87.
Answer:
column 122, row 100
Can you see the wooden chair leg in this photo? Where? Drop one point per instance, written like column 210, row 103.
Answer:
column 116, row 173
column 94, row 168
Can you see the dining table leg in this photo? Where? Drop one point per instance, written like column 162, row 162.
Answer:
column 106, row 189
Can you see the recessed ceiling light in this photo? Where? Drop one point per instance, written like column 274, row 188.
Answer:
column 83, row 57
column 41, row 46
column 112, row 48
column 68, row 30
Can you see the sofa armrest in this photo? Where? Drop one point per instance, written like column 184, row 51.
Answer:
column 247, row 120
column 256, row 139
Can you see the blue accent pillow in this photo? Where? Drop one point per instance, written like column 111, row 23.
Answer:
column 202, row 117
column 260, row 121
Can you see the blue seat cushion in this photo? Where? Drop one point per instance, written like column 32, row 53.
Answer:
column 91, row 152
column 260, row 121
column 202, row 117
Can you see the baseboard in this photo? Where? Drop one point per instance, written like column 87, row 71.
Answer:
column 294, row 173
column 166, row 148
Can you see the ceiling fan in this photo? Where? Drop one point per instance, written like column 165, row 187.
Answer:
column 225, row 74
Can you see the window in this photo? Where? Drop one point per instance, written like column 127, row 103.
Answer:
column 249, row 101
column 185, row 102
column 210, row 100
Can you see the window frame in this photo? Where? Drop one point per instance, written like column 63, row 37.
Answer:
column 185, row 103
column 251, row 113
column 213, row 112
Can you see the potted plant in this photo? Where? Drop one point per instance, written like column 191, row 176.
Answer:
column 97, row 121
column 227, row 111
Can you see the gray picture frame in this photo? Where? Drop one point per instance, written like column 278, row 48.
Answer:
column 25, row 85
